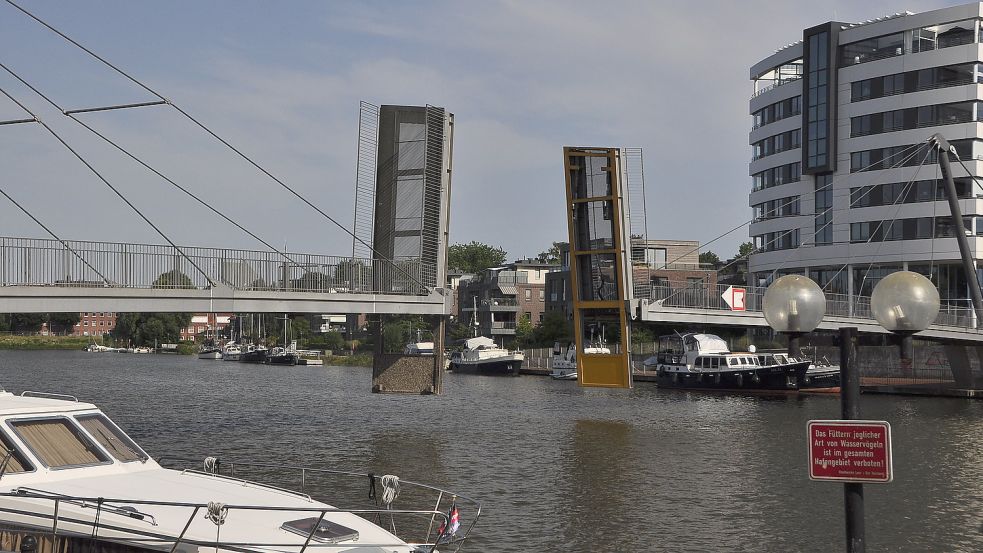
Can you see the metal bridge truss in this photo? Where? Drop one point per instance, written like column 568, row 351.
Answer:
column 40, row 275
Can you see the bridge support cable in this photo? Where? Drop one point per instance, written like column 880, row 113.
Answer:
column 217, row 137
column 17, row 121
column 955, row 215
column 110, row 185
column 913, row 149
column 854, row 201
column 70, row 115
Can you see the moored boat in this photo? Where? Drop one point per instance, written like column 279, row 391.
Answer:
column 231, row 352
column 483, row 356
column 210, row 352
column 253, row 354
column 73, row 481
column 704, row 361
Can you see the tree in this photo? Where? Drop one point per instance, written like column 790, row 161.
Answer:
column 313, row 281
column 147, row 329
column 745, row 249
column 553, row 328
column 524, row 331
column 709, row 258
column 173, row 279
column 474, row 257
column 352, row 274
column 552, row 255
column 27, row 322
column 4, row 322
column 63, row 322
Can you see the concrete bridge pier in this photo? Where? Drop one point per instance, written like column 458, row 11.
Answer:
column 396, row 373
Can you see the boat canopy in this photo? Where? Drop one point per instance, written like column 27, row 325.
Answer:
column 479, row 341
column 706, row 343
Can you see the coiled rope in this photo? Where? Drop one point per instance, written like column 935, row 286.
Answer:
column 216, row 513
column 211, row 465
column 390, row 488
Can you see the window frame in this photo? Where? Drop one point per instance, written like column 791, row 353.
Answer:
column 7, row 439
column 119, row 434
column 79, row 432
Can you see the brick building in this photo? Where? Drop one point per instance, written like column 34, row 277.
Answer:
column 95, row 324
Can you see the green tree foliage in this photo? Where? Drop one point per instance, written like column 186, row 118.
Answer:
column 524, row 331
column 173, row 279
column 313, row 281
column 745, row 249
column 63, row 322
column 4, row 322
column 709, row 258
column 554, row 328
column 27, row 322
column 147, row 329
column 399, row 330
column 474, row 257
column 551, row 255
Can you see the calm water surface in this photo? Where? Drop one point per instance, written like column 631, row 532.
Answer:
column 557, row 467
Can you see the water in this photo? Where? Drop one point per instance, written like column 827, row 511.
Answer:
column 557, row 467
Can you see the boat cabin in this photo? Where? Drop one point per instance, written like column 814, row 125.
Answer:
column 699, row 353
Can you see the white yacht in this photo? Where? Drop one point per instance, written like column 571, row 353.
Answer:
column 482, row 355
column 231, row 352
column 72, row 480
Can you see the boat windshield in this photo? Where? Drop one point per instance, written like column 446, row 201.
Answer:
column 58, row 443
column 111, row 438
column 17, row 462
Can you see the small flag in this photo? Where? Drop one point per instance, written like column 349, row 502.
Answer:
column 450, row 526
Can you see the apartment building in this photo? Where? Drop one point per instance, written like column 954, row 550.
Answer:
column 840, row 120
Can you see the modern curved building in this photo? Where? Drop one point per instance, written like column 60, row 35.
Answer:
column 837, row 191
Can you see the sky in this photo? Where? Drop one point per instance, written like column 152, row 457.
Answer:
column 282, row 82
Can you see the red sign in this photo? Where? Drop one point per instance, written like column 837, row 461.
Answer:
column 850, row 451
column 735, row 298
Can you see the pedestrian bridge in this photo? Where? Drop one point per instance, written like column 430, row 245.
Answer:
column 52, row 276
column 705, row 305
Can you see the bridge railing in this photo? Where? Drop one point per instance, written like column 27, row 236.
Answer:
column 837, row 305
column 43, row 262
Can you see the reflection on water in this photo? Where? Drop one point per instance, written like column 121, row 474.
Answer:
column 557, row 467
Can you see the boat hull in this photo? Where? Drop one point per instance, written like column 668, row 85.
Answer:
column 504, row 367
column 783, row 377
column 210, row 355
column 282, row 359
column 253, row 357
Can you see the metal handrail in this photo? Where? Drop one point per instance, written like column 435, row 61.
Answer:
column 708, row 297
column 45, row 262
column 52, row 395
column 148, row 536
column 440, row 493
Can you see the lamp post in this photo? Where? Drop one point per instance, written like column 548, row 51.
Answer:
column 905, row 303
column 794, row 305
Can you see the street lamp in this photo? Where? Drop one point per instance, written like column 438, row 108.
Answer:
column 794, row 305
column 905, row 303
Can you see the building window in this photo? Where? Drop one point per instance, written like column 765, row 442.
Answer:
column 528, row 294
column 542, row 295
column 824, row 210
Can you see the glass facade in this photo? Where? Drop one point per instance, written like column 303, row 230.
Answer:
column 910, row 155
column 948, row 35
column 824, row 210
column 914, row 81
column 816, row 92
column 778, row 143
column 781, row 240
column 916, row 117
column 917, row 228
column 783, row 174
column 872, row 49
column 777, row 111
column 782, row 207
column 907, row 193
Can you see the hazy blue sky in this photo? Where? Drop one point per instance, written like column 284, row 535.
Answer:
column 283, row 81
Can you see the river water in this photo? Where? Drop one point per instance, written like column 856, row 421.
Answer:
column 557, row 468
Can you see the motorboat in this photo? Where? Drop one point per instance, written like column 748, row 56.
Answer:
column 231, row 352
column 253, row 354
column 483, row 356
column 418, row 348
column 704, row 361
column 564, row 362
column 72, row 480
column 210, row 352
column 282, row 356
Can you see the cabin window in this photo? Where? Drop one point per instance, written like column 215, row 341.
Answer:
column 698, row 362
column 58, row 443
column 731, row 361
column 714, row 362
column 17, row 462
column 111, row 438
